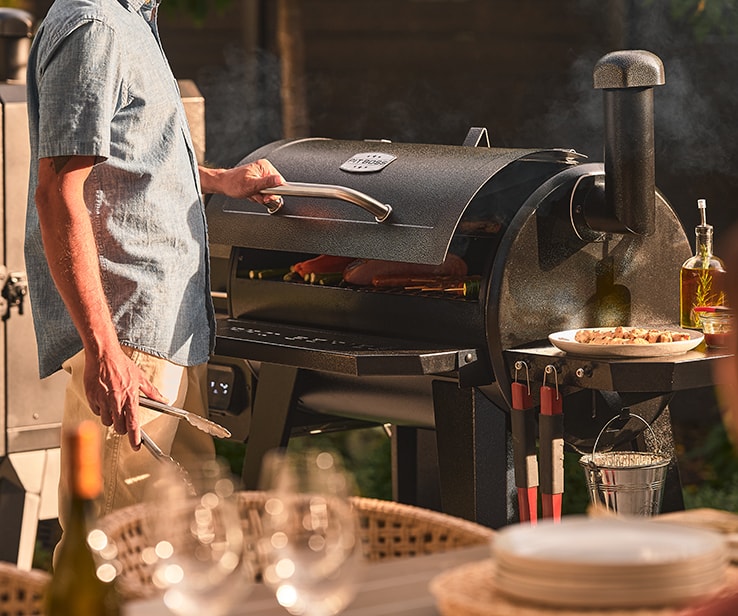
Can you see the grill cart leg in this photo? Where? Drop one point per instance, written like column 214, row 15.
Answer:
column 415, row 467
column 473, row 445
column 270, row 427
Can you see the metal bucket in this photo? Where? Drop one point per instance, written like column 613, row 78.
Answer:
column 626, row 482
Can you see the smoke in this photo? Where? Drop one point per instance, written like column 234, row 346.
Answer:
column 691, row 122
column 695, row 110
column 574, row 118
column 696, row 153
column 242, row 105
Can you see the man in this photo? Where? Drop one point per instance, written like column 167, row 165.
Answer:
column 116, row 245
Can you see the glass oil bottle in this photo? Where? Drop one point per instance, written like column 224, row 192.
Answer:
column 702, row 278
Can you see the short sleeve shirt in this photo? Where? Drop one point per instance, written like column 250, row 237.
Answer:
column 100, row 85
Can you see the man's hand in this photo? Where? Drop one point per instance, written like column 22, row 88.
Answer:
column 113, row 384
column 243, row 182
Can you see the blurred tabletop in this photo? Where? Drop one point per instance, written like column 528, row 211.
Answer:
column 397, row 587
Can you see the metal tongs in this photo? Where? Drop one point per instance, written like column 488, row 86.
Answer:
column 164, row 458
column 210, row 427
column 207, row 426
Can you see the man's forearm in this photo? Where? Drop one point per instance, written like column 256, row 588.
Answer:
column 71, row 252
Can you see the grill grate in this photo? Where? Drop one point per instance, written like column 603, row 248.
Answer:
column 455, row 292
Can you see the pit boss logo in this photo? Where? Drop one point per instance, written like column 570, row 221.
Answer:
column 367, row 162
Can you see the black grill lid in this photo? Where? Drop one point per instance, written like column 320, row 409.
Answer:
column 427, row 186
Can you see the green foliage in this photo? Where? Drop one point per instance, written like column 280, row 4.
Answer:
column 366, row 455
column 717, row 485
column 704, row 17
column 198, row 10
column 576, row 493
column 719, row 461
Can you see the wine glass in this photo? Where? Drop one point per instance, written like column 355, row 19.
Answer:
column 197, row 542
column 308, row 547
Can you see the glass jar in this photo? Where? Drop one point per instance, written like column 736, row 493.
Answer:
column 717, row 324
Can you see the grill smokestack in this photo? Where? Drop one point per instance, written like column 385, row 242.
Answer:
column 627, row 79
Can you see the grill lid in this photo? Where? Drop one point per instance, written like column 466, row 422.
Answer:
column 428, row 188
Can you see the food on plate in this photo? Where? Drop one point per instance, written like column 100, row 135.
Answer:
column 628, row 335
column 364, row 271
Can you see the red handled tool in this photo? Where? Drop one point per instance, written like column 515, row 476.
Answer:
column 522, row 421
column 551, row 445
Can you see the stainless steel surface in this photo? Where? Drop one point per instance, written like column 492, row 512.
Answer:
column 210, row 427
column 32, row 421
column 379, row 210
column 30, row 407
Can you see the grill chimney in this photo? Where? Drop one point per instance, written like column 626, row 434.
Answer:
column 627, row 79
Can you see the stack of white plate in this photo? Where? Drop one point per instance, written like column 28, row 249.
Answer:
column 608, row 563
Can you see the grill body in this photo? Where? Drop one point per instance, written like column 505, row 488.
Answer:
column 513, row 228
column 415, row 360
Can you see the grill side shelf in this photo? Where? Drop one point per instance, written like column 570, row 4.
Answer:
column 690, row 370
column 334, row 351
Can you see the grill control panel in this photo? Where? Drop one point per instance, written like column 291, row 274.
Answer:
column 221, row 380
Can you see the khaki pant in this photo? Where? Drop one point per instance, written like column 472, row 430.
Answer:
column 127, row 473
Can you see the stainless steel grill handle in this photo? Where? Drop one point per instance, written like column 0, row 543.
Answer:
column 379, row 210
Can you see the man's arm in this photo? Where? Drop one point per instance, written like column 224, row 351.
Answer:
column 112, row 380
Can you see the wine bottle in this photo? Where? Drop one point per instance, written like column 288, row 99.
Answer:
column 75, row 587
column 702, row 278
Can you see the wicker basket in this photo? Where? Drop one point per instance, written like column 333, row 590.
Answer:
column 393, row 530
column 22, row 592
column 387, row 530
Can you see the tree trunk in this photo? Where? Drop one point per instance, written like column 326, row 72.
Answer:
column 295, row 116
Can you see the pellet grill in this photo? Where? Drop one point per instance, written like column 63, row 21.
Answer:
column 554, row 243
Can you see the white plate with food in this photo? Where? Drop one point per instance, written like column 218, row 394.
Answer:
column 626, row 341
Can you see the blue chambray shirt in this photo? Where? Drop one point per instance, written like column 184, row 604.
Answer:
column 100, row 85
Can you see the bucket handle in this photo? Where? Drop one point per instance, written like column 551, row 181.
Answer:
column 597, row 440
